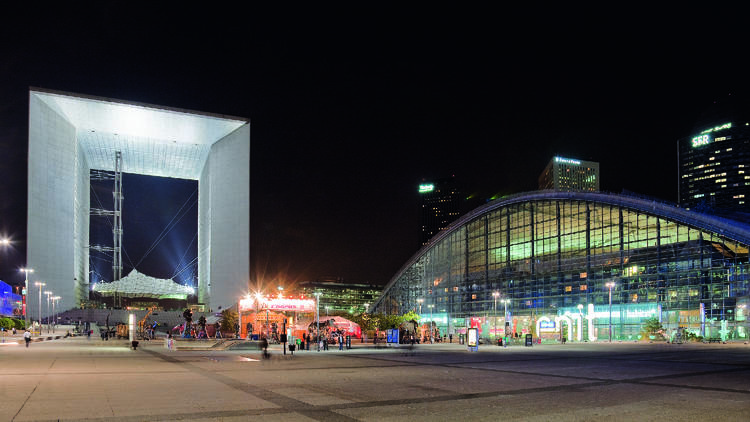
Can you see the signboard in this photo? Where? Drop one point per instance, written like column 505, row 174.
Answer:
column 547, row 325
column 392, row 335
column 278, row 304
column 426, row 188
column 473, row 337
column 567, row 161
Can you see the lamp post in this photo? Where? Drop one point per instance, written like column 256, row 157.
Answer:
column 580, row 321
column 26, row 295
column 47, row 292
column 432, row 331
column 495, row 295
column 39, row 284
column 611, row 285
column 317, row 318
column 54, row 315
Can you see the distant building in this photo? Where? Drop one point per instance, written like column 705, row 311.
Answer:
column 338, row 296
column 440, row 204
column 569, row 174
column 714, row 168
column 10, row 303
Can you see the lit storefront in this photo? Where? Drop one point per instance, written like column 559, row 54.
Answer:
column 267, row 315
column 546, row 263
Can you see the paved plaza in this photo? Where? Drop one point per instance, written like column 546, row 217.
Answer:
column 93, row 380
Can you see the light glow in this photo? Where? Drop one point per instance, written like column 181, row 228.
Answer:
column 426, row 188
column 567, row 161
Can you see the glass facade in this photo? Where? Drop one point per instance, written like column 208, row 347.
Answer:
column 542, row 262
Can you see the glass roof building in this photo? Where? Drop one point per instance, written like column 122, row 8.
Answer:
column 542, row 263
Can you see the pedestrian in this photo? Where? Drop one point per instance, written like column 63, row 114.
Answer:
column 27, row 337
column 264, row 347
column 341, row 341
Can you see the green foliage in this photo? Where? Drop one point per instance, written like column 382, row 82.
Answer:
column 652, row 327
column 388, row 321
column 9, row 323
column 366, row 322
column 228, row 320
column 411, row 315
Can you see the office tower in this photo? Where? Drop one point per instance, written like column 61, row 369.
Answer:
column 568, row 174
column 440, row 203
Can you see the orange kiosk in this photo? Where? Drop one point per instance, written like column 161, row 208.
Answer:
column 259, row 314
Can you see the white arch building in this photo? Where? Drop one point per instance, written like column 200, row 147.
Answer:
column 70, row 134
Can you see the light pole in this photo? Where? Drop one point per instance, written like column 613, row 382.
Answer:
column 39, row 284
column 432, row 331
column 317, row 317
column 611, row 285
column 26, row 295
column 47, row 292
column 495, row 295
column 54, row 315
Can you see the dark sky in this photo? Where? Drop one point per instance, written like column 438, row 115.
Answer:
column 351, row 108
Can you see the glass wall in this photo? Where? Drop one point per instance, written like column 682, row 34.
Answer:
column 550, row 262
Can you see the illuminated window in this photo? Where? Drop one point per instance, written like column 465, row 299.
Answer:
column 474, row 296
column 568, row 288
column 584, row 287
column 584, row 275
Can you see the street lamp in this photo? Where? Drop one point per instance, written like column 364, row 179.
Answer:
column 495, row 295
column 611, row 285
column 317, row 317
column 432, row 331
column 54, row 315
column 26, row 295
column 47, row 292
column 40, row 285
column 505, row 319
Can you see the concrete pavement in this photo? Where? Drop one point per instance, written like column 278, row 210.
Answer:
column 79, row 379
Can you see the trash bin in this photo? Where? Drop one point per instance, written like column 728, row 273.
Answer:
column 529, row 340
column 461, row 339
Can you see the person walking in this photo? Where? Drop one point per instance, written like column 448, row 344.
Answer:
column 264, row 347
column 27, row 337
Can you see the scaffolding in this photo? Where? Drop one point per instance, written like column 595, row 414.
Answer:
column 116, row 214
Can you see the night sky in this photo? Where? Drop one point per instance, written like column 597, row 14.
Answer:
column 351, row 109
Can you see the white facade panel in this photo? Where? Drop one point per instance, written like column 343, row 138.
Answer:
column 230, row 217
column 51, row 213
column 69, row 135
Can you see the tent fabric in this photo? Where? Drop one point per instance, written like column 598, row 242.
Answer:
column 136, row 284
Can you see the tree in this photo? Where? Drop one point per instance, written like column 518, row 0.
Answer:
column 652, row 327
column 227, row 321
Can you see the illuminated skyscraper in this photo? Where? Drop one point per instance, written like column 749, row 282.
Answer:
column 568, row 174
column 714, row 168
column 714, row 160
column 440, row 202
